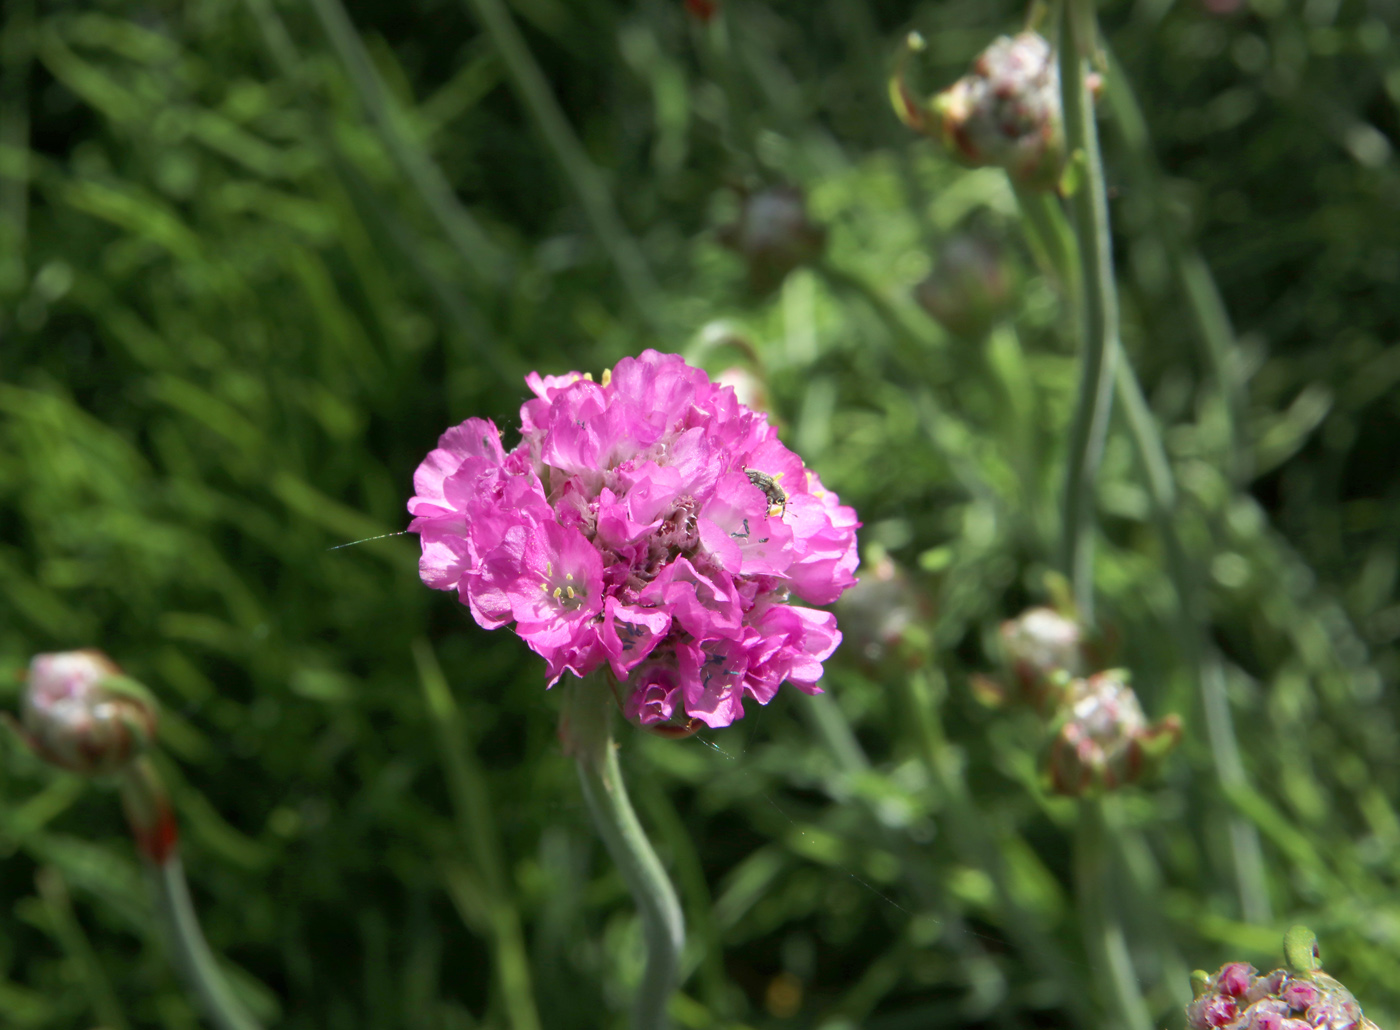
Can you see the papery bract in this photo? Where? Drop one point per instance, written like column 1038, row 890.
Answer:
column 648, row 521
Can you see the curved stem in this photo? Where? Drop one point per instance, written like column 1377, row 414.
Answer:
column 585, row 728
column 1104, row 938
column 1100, row 307
column 1050, row 238
column 153, row 825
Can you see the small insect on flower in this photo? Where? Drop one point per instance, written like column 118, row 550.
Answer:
column 777, row 496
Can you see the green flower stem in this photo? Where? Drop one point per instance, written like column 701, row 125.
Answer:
column 153, row 825
column 1048, row 231
column 1103, row 932
column 586, row 729
column 1050, row 237
column 577, row 167
column 1100, row 307
column 476, row 827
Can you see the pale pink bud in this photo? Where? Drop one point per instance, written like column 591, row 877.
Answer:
column 80, row 713
column 1042, row 648
column 1005, row 112
column 1103, row 740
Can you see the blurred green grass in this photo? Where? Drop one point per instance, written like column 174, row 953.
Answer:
column 252, row 263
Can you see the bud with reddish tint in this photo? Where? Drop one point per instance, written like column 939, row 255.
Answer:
column 971, row 286
column 773, row 235
column 82, row 714
column 1102, row 739
column 1005, row 112
column 702, row 11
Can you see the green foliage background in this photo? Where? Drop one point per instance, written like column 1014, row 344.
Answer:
column 255, row 256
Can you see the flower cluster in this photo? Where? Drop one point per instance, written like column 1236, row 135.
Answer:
column 1005, row 112
column 650, row 522
column 1239, row 998
column 81, row 714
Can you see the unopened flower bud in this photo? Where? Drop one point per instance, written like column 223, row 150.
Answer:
column 82, row 714
column 1005, row 112
column 879, row 612
column 1102, row 739
column 1237, row 997
column 773, row 235
column 1043, row 651
column 971, row 286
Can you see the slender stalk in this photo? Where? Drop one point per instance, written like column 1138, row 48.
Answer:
column 586, row 729
column 153, row 825
column 476, row 827
column 1046, row 225
column 1100, row 307
column 578, row 169
column 1103, row 932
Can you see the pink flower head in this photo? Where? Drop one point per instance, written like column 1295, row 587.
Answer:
column 649, row 522
column 1237, row 998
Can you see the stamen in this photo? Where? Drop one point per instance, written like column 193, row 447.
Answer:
column 558, row 591
column 607, row 376
column 570, row 592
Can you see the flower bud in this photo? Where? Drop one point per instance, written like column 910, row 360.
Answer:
column 1005, row 112
column 970, row 287
column 773, row 235
column 82, row 714
column 1237, row 997
column 881, row 611
column 1043, row 650
column 1102, row 740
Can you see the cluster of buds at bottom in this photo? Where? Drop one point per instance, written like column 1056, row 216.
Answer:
column 1005, row 112
column 1302, row 997
column 971, row 287
column 773, row 235
column 82, row 714
column 1042, row 651
column 1101, row 740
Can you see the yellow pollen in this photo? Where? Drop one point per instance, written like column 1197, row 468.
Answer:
column 544, row 587
column 557, row 592
column 568, row 575
column 549, row 568
column 588, row 376
column 607, row 376
column 570, row 592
